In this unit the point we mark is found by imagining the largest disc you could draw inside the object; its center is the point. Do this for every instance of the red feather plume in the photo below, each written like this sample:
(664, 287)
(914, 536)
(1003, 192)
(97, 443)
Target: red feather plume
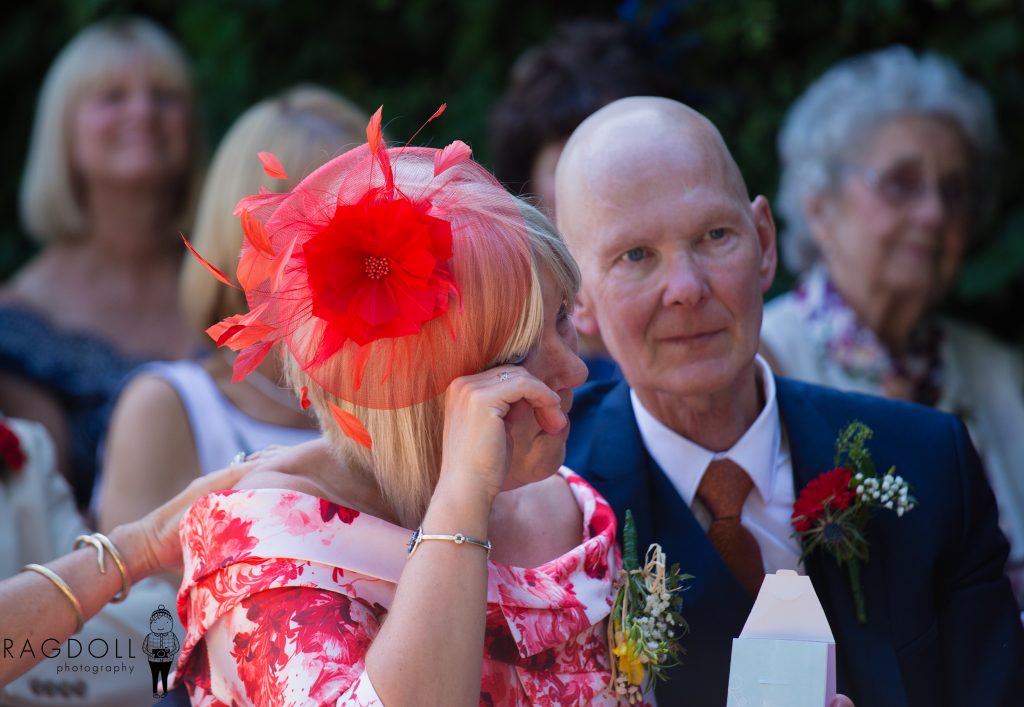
(351, 426)
(272, 166)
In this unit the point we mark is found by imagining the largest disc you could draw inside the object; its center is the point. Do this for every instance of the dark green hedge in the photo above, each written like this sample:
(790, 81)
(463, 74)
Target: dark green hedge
(742, 60)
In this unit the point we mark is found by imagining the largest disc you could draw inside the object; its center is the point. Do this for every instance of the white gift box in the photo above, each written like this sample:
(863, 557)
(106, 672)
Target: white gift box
(785, 656)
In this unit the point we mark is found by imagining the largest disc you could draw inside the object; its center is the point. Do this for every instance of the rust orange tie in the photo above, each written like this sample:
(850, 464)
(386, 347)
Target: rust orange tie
(723, 490)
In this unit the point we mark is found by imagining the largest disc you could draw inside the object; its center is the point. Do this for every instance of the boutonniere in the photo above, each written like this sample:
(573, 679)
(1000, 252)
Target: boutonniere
(833, 510)
(12, 456)
(645, 625)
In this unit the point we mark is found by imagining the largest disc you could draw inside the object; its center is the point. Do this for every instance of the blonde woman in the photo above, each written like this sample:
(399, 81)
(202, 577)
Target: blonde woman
(179, 420)
(441, 555)
(113, 167)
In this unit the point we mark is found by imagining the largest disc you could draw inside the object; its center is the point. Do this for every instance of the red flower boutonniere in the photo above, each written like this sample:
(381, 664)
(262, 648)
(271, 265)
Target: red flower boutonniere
(833, 510)
(12, 456)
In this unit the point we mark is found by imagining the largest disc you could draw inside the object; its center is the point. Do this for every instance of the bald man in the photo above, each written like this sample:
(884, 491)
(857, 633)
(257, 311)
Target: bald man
(675, 260)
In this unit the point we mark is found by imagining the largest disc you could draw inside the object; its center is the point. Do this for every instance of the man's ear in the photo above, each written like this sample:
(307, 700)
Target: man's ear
(584, 315)
(764, 223)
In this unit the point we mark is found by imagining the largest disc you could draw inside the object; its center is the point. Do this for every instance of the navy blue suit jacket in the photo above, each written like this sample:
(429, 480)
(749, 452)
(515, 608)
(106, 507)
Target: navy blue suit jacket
(943, 628)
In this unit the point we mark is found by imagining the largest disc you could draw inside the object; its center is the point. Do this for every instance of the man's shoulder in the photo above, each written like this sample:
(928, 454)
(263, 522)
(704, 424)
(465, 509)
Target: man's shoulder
(926, 445)
(601, 411)
(830, 400)
(591, 396)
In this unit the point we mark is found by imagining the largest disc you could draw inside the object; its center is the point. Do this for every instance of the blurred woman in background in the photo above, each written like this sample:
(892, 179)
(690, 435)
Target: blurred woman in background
(887, 165)
(182, 419)
(113, 167)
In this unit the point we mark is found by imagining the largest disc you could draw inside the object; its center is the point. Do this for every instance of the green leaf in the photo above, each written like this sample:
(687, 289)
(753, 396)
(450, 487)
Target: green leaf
(630, 558)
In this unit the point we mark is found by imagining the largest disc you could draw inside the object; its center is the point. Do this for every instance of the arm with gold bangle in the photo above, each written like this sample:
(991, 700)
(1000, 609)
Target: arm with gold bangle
(54, 599)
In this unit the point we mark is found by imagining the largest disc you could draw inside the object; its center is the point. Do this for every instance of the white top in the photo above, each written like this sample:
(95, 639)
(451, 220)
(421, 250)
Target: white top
(762, 452)
(983, 382)
(219, 428)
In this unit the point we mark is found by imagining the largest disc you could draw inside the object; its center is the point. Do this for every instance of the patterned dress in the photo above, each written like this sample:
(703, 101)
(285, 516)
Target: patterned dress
(284, 593)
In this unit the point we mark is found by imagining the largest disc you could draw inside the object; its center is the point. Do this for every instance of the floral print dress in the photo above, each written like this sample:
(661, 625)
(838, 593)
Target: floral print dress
(284, 593)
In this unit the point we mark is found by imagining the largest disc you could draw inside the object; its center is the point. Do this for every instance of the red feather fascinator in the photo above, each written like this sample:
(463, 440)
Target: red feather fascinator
(362, 270)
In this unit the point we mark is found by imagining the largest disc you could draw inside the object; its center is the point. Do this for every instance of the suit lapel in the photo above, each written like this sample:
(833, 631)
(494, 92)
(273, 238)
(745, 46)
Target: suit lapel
(614, 460)
(618, 465)
(865, 657)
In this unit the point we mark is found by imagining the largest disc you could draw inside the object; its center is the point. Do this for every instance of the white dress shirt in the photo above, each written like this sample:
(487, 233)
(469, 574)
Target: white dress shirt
(762, 452)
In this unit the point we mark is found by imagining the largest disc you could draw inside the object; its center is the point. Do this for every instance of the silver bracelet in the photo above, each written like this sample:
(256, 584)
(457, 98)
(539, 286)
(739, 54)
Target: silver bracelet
(419, 536)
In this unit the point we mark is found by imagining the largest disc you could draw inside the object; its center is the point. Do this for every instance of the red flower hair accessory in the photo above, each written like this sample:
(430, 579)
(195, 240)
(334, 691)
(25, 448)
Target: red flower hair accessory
(361, 270)
(379, 269)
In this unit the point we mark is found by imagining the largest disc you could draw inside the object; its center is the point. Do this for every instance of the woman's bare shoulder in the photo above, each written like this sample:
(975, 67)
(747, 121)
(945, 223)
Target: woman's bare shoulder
(536, 523)
(294, 459)
(312, 468)
(37, 285)
(553, 490)
(285, 480)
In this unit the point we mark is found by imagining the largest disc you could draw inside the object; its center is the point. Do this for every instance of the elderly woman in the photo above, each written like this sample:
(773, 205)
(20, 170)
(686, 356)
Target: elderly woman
(885, 180)
(443, 556)
(113, 168)
(178, 420)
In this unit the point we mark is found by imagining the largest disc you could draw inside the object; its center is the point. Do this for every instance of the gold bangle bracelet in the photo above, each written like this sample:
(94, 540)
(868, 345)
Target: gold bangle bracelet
(90, 540)
(64, 589)
(101, 542)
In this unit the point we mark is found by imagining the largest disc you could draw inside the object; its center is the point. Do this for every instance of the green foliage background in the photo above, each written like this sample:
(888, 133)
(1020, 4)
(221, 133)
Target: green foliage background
(743, 61)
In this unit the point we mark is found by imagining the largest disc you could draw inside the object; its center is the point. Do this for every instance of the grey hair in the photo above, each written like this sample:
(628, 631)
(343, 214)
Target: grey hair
(840, 110)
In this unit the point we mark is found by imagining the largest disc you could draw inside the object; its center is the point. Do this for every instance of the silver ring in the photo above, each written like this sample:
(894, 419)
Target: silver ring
(504, 376)
(238, 459)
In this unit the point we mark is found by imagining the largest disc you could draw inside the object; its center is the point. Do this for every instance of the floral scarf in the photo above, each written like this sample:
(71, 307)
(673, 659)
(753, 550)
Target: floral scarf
(839, 336)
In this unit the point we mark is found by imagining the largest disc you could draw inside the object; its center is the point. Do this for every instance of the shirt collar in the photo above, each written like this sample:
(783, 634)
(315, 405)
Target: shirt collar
(685, 462)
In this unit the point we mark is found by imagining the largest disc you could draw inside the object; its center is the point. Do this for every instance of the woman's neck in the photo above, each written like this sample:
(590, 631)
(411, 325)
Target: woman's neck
(262, 395)
(130, 225)
(891, 315)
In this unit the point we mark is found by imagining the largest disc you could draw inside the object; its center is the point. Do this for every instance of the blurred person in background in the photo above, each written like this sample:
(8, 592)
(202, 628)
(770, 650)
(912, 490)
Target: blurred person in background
(552, 88)
(887, 176)
(113, 167)
(179, 420)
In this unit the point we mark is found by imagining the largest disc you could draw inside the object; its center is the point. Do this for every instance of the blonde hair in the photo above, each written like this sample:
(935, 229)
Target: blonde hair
(50, 201)
(406, 457)
(304, 127)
